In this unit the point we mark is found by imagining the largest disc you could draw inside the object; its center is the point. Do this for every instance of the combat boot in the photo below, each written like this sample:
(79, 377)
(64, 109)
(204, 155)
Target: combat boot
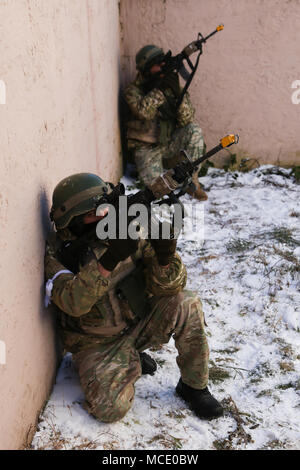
(148, 364)
(201, 402)
(197, 192)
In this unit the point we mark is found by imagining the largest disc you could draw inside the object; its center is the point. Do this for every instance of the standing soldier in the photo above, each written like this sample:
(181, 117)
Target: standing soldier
(157, 129)
(117, 298)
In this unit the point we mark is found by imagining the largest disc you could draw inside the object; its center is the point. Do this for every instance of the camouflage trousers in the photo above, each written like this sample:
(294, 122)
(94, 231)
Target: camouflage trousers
(152, 159)
(109, 370)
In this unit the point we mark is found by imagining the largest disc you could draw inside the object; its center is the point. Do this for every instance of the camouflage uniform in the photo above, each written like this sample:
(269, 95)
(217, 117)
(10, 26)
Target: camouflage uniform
(151, 154)
(105, 336)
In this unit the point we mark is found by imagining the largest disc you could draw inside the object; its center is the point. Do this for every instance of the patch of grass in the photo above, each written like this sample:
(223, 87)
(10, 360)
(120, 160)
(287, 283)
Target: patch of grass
(167, 440)
(230, 350)
(261, 371)
(292, 268)
(237, 245)
(58, 442)
(274, 444)
(111, 445)
(235, 163)
(224, 359)
(204, 168)
(287, 255)
(296, 173)
(208, 258)
(276, 170)
(248, 164)
(217, 174)
(231, 162)
(217, 374)
(286, 366)
(281, 234)
(265, 393)
(295, 214)
(285, 348)
(288, 385)
(176, 414)
(238, 436)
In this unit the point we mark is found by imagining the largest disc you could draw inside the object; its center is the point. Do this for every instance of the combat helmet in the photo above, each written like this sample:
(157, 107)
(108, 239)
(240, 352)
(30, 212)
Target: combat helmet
(148, 56)
(76, 195)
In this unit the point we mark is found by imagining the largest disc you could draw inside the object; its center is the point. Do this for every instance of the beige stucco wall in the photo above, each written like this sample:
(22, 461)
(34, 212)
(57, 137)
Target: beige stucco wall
(244, 81)
(60, 69)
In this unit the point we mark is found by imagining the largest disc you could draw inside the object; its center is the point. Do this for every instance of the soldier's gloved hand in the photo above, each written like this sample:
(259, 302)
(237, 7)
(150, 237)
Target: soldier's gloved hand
(164, 248)
(171, 80)
(85, 255)
(151, 83)
(117, 251)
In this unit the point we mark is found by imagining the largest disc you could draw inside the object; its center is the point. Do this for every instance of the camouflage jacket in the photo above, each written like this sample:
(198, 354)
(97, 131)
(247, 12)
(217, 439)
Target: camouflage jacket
(143, 124)
(88, 306)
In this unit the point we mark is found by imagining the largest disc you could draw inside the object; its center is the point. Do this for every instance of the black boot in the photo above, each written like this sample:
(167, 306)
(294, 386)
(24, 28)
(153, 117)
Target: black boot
(148, 364)
(200, 401)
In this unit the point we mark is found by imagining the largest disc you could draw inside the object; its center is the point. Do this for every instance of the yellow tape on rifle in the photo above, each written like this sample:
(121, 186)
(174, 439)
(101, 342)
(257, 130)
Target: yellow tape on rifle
(228, 140)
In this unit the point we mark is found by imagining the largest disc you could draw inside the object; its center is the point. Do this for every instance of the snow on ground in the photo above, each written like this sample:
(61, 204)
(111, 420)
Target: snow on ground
(247, 275)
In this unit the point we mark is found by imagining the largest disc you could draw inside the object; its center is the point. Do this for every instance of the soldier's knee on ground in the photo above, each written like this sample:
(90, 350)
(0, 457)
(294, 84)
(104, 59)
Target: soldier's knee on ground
(107, 378)
(110, 411)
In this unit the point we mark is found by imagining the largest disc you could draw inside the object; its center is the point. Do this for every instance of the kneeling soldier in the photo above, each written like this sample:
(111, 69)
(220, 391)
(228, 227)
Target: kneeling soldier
(157, 130)
(117, 298)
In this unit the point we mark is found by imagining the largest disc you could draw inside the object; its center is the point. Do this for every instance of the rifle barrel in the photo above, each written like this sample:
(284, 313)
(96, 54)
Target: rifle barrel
(219, 28)
(227, 141)
(207, 155)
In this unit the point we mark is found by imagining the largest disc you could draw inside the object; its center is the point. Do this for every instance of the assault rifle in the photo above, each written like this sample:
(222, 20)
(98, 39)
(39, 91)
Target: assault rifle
(177, 63)
(166, 189)
(177, 178)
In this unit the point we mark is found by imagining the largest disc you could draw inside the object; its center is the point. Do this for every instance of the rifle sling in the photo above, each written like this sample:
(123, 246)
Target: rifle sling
(190, 78)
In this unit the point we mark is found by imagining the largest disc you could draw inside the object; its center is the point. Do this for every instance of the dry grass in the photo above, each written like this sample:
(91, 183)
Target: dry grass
(238, 436)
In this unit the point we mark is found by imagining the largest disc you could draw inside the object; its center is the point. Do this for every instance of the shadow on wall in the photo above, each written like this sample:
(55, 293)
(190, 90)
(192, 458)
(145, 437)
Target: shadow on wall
(124, 112)
(44, 209)
(49, 313)
(45, 224)
(129, 167)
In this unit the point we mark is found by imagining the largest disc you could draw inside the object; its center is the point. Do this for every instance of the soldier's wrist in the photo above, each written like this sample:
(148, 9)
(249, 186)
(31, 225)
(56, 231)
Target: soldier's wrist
(104, 272)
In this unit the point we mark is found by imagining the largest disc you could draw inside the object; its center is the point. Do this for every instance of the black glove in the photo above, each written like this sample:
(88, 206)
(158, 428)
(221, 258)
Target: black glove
(153, 82)
(85, 255)
(164, 248)
(117, 251)
(171, 80)
(73, 257)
